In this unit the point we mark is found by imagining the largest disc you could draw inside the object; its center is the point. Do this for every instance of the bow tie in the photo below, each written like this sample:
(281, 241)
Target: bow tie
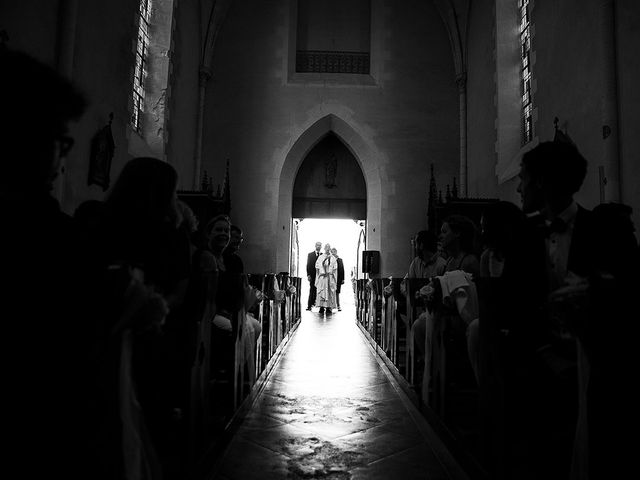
(556, 226)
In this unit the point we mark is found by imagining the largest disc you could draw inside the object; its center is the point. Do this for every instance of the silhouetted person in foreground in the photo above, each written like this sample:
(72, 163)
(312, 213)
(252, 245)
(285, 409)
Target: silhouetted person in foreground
(49, 321)
(579, 342)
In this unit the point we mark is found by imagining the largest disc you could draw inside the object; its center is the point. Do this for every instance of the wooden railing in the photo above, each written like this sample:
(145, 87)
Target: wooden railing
(222, 386)
(320, 61)
(386, 316)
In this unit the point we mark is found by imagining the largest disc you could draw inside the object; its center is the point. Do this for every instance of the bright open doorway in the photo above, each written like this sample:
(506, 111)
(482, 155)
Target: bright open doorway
(342, 234)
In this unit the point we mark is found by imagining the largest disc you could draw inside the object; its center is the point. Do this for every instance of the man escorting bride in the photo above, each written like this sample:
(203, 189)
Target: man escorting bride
(326, 281)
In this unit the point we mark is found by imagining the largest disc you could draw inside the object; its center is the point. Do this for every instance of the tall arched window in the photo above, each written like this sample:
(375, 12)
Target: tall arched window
(140, 70)
(525, 45)
(515, 85)
(151, 78)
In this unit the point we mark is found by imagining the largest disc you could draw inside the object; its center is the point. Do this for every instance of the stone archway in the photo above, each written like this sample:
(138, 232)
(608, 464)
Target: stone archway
(330, 183)
(363, 149)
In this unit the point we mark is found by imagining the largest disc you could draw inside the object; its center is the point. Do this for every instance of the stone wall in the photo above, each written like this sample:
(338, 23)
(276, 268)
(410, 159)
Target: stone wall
(264, 118)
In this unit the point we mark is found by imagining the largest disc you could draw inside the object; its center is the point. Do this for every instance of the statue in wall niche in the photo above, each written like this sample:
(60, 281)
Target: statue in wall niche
(102, 150)
(331, 169)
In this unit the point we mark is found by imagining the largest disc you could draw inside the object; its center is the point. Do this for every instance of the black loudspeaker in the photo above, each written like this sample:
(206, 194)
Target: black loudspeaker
(371, 261)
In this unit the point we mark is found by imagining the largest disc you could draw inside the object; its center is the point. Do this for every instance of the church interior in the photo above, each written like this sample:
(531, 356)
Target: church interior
(263, 114)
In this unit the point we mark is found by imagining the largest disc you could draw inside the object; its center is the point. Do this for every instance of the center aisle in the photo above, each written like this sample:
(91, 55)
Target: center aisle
(330, 410)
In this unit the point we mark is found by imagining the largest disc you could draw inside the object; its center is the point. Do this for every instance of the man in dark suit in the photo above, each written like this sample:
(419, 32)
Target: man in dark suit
(311, 274)
(340, 279)
(230, 254)
(575, 345)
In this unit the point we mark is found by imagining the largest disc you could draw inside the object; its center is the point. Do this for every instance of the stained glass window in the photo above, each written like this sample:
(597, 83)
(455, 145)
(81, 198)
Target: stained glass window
(525, 53)
(140, 72)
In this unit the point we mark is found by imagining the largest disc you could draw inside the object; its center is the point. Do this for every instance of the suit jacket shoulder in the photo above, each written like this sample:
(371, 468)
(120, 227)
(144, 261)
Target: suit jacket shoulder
(340, 271)
(311, 264)
(584, 248)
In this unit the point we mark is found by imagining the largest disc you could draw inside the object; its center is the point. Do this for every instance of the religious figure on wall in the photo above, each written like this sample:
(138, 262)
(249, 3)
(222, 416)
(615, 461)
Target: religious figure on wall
(102, 150)
(331, 169)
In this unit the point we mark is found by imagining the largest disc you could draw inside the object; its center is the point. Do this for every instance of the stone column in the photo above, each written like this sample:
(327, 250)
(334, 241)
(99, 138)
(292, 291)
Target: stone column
(461, 81)
(67, 19)
(65, 46)
(205, 75)
(609, 102)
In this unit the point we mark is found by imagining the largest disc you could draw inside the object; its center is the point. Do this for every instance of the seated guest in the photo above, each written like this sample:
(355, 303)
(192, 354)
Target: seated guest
(140, 230)
(427, 264)
(511, 253)
(188, 223)
(234, 263)
(179, 325)
(458, 240)
(233, 297)
(500, 225)
(230, 253)
(511, 288)
(229, 293)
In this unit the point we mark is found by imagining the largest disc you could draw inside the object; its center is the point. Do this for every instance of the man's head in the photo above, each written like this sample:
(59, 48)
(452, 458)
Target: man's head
(236, 239)
(457, 233)
(37, 106)
(334, 252)
(145, 191)
(550, 173)
(426, 242)
(318, 246)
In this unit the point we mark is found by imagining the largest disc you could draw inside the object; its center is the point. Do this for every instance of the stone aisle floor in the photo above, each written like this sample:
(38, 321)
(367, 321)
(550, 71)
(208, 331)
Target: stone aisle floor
(330, 411)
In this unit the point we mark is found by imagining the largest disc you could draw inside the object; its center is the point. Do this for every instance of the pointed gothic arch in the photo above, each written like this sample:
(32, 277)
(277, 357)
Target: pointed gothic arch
(365, 153)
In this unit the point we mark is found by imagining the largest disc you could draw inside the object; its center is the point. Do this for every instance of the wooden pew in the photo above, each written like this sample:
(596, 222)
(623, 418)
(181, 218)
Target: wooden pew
(449, 373)
(285, 307)
(239, 329)
(199, 412)
(297, 300)
(376, 309)
(414, 308)
(268, 326)
(389, 324)
(218, 391)
(357, 299)
(364, 312)
(257, 281)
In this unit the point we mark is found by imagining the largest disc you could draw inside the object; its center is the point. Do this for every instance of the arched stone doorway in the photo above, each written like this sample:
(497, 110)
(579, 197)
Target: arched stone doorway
(359, 142)
(330, 183)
